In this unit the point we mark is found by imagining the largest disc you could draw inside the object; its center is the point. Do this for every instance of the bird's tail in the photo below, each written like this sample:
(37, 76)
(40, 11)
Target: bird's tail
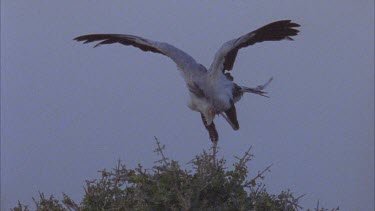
(257, 90)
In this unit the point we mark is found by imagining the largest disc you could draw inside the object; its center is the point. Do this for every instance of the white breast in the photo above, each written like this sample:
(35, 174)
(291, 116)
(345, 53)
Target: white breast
(218, 94)
(221, 93)
(198, 104)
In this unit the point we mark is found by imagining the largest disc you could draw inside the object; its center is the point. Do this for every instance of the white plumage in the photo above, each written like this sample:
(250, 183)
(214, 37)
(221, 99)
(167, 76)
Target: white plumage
(212, 91)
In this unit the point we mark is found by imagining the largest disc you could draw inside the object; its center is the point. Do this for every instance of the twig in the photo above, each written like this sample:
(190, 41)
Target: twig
(259, 175)
(246, 157)
(159, 150)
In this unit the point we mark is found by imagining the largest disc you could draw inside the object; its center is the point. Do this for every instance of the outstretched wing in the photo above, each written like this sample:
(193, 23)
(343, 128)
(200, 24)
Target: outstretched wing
(184, 61)
(226, 55)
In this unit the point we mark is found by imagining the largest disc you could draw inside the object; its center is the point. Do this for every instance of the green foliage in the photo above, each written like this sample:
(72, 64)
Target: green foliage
(167, 186)
(42, 204)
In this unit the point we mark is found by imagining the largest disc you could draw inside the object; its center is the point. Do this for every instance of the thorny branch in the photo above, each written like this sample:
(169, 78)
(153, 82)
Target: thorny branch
(160, 150)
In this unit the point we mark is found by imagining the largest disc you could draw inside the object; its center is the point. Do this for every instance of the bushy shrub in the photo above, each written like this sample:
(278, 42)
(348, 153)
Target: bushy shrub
(210, 185)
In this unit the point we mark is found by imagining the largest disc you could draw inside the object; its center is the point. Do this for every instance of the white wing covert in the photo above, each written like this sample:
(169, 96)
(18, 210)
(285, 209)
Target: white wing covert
(184, 61)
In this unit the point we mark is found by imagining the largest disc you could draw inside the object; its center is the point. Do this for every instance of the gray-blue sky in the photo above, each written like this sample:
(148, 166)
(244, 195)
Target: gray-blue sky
(68, 110)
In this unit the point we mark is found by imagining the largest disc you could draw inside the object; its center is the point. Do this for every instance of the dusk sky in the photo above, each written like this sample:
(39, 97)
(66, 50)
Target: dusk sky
(69, 110)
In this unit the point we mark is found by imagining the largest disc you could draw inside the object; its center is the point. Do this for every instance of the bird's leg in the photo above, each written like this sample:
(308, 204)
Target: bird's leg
(259, 89)
(212, 132)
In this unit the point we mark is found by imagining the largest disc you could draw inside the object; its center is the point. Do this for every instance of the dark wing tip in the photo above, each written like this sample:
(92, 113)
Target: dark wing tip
(289, 38)
(124, 39)
(275, 31)
(81, 38)
(284, 23)
(292, 24)
(287, 22)
(94, 37)
(279, 29)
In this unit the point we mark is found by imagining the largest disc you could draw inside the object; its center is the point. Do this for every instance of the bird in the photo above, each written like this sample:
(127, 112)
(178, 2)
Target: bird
(212, 90)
